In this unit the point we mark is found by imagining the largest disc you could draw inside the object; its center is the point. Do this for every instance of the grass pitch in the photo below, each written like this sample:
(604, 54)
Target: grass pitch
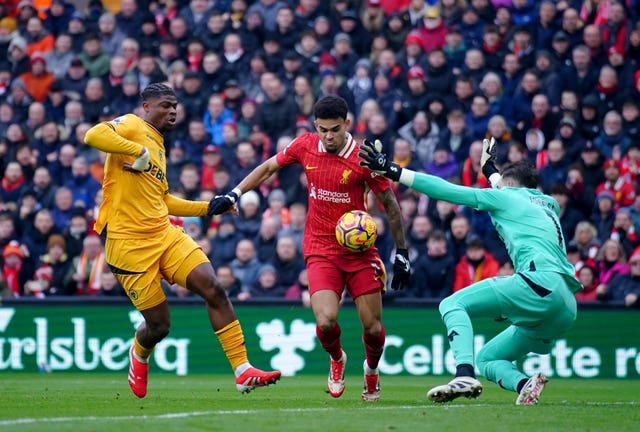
(103, 402)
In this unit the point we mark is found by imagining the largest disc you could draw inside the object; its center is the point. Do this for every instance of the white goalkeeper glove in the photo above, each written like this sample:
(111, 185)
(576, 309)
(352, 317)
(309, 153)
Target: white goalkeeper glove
(488, 161)
(142, 161)
(488, 151)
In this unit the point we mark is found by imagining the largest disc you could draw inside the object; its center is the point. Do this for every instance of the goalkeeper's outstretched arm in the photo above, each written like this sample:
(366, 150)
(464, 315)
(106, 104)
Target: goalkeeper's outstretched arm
(439, 189)
(372, 157)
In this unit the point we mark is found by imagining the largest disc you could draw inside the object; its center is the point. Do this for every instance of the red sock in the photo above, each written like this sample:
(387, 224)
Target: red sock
(373, 346)
(330, 341)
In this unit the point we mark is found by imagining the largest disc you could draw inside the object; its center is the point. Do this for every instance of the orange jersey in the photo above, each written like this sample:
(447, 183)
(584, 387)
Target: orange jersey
(135, 204)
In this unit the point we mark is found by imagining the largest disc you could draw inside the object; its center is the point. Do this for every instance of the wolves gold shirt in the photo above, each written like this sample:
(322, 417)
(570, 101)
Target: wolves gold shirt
(135, 204)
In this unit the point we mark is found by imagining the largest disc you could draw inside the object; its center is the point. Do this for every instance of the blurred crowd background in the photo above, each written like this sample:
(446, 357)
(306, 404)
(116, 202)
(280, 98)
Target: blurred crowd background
(555, 82)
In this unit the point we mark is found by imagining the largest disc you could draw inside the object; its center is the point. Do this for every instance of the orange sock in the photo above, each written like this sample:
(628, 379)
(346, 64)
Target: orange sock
(232, 341)
(141, 351)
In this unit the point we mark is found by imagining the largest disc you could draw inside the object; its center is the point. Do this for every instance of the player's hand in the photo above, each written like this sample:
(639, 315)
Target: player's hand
(488, 151)
(401, 270)
(488, 159)
(372, 157)
(142, 161)
(222, 203)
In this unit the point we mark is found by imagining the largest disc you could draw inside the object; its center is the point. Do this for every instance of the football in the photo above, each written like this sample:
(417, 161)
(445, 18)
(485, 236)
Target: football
(356, 231)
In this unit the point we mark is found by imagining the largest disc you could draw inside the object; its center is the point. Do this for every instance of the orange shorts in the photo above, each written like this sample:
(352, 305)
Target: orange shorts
(141, 264)
(359, 273)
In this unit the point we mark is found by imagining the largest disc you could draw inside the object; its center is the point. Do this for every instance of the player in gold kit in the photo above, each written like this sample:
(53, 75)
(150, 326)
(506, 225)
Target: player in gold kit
(143, 247)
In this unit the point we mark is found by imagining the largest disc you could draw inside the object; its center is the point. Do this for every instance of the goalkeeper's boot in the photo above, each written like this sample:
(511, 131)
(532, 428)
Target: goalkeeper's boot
(466, 386)
(252, 378)
(530, 393)
(335, 383)
(138, 373)
(371, 390)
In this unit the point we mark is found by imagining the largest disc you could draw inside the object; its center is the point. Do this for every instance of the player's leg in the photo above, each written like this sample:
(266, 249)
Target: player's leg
(373, 336)
(457, 310)
(135, 265)
(195, 272)
(325, 286)
(496, 362)
(496, 358)
(365, 280)
(149, 333)
(539, 315)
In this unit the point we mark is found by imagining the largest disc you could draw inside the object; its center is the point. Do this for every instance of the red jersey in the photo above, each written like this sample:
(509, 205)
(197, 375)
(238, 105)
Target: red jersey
(336, 184)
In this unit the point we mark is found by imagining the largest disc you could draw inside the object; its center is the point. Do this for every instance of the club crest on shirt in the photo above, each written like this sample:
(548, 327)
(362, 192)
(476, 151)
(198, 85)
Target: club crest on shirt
(345, 176)
(160, 155)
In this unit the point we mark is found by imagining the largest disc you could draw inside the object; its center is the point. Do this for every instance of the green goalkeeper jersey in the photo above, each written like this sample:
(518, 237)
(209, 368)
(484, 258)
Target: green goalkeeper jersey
(526, 220)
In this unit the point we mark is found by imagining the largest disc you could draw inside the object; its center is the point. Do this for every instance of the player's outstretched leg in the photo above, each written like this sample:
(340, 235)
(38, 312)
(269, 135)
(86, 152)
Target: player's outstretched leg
(466, 386)
(247, 377)
(530, 393)
(252, 377)
(335, 383)
(371, 389)
(138, 374)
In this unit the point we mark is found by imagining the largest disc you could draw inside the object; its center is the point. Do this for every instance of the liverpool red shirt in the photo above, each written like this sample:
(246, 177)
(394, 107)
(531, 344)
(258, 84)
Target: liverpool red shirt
(336, 184)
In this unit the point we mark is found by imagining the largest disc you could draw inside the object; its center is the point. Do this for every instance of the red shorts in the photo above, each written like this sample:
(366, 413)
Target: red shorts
(359, 273)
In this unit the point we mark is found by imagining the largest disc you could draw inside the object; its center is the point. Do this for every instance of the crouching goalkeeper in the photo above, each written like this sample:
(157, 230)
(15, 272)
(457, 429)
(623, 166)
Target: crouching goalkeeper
(537, 302)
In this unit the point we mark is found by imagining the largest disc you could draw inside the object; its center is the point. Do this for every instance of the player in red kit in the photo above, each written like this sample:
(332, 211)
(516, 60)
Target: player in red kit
(337, 184)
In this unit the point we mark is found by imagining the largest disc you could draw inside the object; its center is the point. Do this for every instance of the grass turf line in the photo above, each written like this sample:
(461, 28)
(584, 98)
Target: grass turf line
(103, 402)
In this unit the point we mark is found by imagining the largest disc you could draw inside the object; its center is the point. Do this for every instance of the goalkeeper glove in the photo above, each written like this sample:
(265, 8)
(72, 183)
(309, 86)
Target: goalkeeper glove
(142, 161)
(488, 158)
(222, 203)
(401, 270)
(372, 157)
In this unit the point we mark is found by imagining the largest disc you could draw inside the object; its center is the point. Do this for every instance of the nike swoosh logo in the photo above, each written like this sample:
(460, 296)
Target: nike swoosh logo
(309, 167)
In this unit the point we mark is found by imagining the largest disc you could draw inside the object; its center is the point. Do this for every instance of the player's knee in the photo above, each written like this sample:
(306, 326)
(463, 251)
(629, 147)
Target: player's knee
(446, 305)
(216, 296)
(482, 361)
(159, 330)
(211, 291)
(325, 324)
(374, 328)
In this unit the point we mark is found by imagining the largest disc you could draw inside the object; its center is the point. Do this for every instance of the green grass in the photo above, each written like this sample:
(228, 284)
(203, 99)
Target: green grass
(103, 402)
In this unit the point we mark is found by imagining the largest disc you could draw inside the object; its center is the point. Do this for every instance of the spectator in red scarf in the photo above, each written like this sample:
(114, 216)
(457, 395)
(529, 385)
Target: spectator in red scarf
(16, 270)
(12, 184)
(471, 173)
(616, 29)
(87, 268)
(624, 231)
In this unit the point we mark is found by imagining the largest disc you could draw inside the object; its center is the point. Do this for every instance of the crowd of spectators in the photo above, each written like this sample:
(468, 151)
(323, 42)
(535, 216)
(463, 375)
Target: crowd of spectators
(555, 82)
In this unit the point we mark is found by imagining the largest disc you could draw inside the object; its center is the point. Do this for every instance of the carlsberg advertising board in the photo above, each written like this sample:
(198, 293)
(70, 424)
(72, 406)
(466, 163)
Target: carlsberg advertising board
(603, 343)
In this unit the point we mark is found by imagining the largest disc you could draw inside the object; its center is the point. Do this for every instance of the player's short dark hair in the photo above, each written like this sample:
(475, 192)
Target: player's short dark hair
(523, 172)
(331, 107)
(156, 90)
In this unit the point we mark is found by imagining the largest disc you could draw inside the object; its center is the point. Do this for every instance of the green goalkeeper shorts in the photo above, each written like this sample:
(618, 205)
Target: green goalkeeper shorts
(538, 302)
